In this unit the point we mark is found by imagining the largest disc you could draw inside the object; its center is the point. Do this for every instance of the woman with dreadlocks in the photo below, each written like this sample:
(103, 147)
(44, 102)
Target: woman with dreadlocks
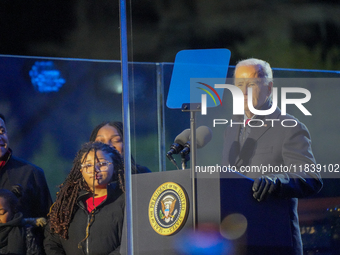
(87, 217)
(111, 133)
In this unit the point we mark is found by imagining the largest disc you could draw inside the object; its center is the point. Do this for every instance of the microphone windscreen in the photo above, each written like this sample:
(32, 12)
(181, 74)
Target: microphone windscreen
(183, 137)
(203, 136)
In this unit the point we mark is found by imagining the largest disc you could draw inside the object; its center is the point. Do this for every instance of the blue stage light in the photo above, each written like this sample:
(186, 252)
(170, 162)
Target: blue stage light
(45, 77)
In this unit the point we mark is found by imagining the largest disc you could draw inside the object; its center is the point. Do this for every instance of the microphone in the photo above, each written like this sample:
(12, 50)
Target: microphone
(203, 136)
(178, 145)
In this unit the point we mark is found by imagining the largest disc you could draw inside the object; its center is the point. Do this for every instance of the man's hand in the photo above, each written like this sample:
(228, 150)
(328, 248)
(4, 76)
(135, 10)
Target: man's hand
(264, 186)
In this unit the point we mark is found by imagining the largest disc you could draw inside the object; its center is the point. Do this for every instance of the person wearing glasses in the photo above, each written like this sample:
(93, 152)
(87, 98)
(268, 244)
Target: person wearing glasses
(111, 133)
(87, 217)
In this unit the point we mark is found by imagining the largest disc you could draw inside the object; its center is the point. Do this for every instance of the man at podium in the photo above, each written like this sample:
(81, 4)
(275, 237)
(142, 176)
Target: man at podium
(284, 151)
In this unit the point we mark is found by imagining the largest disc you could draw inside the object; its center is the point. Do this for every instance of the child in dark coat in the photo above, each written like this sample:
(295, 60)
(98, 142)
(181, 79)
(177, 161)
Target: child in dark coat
(16, 233)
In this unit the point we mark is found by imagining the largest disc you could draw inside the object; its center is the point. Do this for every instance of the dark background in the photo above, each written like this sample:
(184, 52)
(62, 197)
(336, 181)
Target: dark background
(47, 129)
(286, 33)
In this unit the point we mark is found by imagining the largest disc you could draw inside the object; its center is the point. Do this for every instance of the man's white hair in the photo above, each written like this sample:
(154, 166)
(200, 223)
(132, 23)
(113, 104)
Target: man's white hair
(264, 71)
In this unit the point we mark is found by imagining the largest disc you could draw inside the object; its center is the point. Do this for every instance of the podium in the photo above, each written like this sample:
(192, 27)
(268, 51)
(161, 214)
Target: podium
(267, 222)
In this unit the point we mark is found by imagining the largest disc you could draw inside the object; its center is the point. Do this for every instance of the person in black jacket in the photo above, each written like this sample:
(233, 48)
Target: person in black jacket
(252, 145)
(36, 199)
(88, 215)
(12, 236)
(111, 133)
(17, 235)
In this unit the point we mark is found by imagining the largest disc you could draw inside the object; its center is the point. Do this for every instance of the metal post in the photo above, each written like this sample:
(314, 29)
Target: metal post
(126, 122)
(160, 118)
(193, 165)
(193, 108)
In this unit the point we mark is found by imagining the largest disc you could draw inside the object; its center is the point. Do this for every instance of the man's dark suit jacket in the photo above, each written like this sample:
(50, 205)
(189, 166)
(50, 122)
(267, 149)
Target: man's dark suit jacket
(36, 199)
(275, 146)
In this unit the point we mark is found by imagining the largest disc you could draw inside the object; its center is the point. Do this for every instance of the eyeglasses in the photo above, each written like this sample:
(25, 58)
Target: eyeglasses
(100, 167)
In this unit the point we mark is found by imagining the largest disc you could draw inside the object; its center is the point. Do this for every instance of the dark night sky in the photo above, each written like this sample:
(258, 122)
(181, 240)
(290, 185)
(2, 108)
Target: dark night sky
(301, 29)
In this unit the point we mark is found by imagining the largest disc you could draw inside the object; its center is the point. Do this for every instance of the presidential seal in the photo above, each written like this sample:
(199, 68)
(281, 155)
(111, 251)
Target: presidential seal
(168, 208)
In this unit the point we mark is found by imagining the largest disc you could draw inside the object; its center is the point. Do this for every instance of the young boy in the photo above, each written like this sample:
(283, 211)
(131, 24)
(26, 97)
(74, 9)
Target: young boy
(16, 236)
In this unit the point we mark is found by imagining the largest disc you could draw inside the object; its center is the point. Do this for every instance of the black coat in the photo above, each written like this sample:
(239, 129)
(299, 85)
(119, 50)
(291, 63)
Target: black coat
(12, 236)
(104, 233)
(275, 145)
(17, 237)
(36, 199)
